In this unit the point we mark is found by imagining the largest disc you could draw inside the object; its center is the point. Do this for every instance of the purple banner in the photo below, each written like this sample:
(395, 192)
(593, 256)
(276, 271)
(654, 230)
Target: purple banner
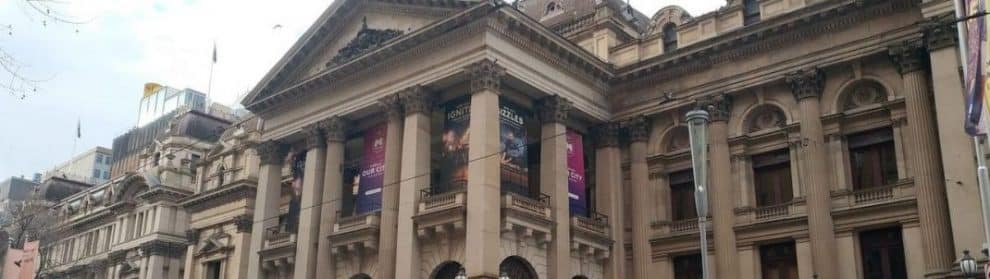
(577, 190)
(975, 38)
(369, 197)
(454, 156)
(515, 162)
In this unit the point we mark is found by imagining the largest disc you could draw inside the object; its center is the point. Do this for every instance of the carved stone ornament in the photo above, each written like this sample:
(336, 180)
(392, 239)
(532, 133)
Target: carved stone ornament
(163, 248)
(391, 105)
(416, 99)
(554, 109)
(807, 83)
(639, 129)
(766, 117)
(314, 136)
(719, 106)
(334, 129)
(485, 75)
(271, 152)
(606, 134)
(940, 33)
(908, 56)
(192, 235)
(864, 94)
(243, 223)
(365, 41)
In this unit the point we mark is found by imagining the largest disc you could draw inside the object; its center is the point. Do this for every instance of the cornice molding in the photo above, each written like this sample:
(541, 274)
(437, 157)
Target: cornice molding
(240, 190)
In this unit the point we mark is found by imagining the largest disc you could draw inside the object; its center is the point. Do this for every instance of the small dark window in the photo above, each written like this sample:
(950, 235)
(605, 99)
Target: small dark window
(669, 37)
(687, 267)
(552, 8)
(778, 261)
(883, 254)
(751, 11)
(213, 270)
(772, 176)
(872, 159)
(682, 196)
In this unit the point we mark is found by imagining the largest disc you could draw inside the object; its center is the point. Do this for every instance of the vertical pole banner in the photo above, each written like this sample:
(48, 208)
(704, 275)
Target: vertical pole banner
(454, 155)
(372, 170)
(297, 167)
(515, 159)
(975, 36)
(576, 187)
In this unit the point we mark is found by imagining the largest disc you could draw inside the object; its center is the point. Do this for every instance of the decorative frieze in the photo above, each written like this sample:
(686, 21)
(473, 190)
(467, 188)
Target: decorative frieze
(554, 109)
(117, 257)
(606, 134)
(806, 83)
(314, 136)
(163, 248)
(909, 56)
(485, 75)
(271, 152)
(334, 129)
(719, 106)
(940, 33)
(243, 223)
(417, 99)
(638, 128)
(391, 105)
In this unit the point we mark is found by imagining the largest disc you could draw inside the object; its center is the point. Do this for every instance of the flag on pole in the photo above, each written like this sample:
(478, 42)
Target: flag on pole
(974, 86)
(78, 128)
(214, 52)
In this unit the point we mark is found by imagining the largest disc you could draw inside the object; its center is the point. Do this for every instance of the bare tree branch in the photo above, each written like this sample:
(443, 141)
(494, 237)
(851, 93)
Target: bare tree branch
(18, 84)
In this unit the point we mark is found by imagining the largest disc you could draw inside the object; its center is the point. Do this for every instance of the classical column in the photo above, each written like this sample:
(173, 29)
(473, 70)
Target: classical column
(311, 203)
(484, 175)
(807, 86)
(933, 210)
(392, 106)
(192, 237)
(271, 154)
(553, 112)
(415, 176)
(722, 205)
(639, 134)
(608, 191)
(334, 130)
(954, 143)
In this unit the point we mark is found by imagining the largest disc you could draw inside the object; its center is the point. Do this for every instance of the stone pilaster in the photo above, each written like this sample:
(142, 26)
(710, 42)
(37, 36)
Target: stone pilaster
(311, 202)
(484, 176)
(392, 106)
(639, 135)
(720, 188)
(933, 209)
(553, 111)
(415, 176)
(335, 132)
(271, 155)
(808, 86)
(608, 191)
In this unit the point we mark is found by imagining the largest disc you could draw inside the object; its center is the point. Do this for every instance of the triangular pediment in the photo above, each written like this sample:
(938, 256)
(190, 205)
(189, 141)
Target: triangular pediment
(348, 30)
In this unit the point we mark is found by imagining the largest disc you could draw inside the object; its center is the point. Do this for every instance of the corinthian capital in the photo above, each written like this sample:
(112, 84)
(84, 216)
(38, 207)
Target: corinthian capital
(334, 129)
(554, 109)
(606, 134)
(807, 83)
(719, 106)
(391, 105)
(639, 129)
(271, 152)
(908, 56)
(314, 136)
(416, 99)
(940, 33)
(485, 75)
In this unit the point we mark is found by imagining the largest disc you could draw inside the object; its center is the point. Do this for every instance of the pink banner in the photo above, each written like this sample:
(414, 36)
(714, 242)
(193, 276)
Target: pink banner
(577, 190)
(372, 176)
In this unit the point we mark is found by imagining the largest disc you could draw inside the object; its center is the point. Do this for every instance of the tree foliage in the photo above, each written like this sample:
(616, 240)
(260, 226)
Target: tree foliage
(26, 221)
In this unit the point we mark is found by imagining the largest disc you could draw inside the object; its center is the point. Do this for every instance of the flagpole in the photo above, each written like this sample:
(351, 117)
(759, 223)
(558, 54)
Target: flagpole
(209, 86)
(981, 161)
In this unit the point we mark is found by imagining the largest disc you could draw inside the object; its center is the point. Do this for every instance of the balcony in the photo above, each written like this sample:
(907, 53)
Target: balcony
(590, 235)
(901, 192)
(672, 228)
(440, 212)
(353, 234)
(754, 215)
(279, 247)
(527, 216)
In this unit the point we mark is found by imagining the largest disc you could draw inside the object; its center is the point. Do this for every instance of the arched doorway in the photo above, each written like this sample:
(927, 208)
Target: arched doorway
(517, 268)
(446, 270)
(361, 276)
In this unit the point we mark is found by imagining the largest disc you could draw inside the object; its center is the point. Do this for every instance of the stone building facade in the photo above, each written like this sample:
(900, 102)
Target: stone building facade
(547, 139)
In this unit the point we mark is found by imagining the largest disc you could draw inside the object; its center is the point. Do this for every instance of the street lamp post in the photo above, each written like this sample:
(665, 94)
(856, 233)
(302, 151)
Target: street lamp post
(698, 130)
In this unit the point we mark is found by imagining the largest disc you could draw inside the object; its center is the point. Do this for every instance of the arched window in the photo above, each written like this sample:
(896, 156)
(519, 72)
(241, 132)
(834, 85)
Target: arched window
(517, 268)
(669, 37)
(751, 11)
(361, 276)
(447, 270)
(552, 9)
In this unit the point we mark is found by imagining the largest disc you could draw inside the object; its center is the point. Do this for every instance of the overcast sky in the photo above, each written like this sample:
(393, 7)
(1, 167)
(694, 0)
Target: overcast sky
(94, 72)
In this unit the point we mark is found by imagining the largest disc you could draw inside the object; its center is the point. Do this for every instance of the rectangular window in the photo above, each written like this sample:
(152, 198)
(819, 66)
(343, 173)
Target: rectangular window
(99, 158)
(97, 174)
(778, 261)
(213, 270)
(882, 253)
(687, 267)
(682, 196)
(106, 174)
(772, 178)
(872, 159)
(751, 12)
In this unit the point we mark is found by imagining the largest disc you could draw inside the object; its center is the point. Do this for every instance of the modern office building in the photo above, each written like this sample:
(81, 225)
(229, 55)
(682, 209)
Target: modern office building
(159, 100)
(91, 166)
